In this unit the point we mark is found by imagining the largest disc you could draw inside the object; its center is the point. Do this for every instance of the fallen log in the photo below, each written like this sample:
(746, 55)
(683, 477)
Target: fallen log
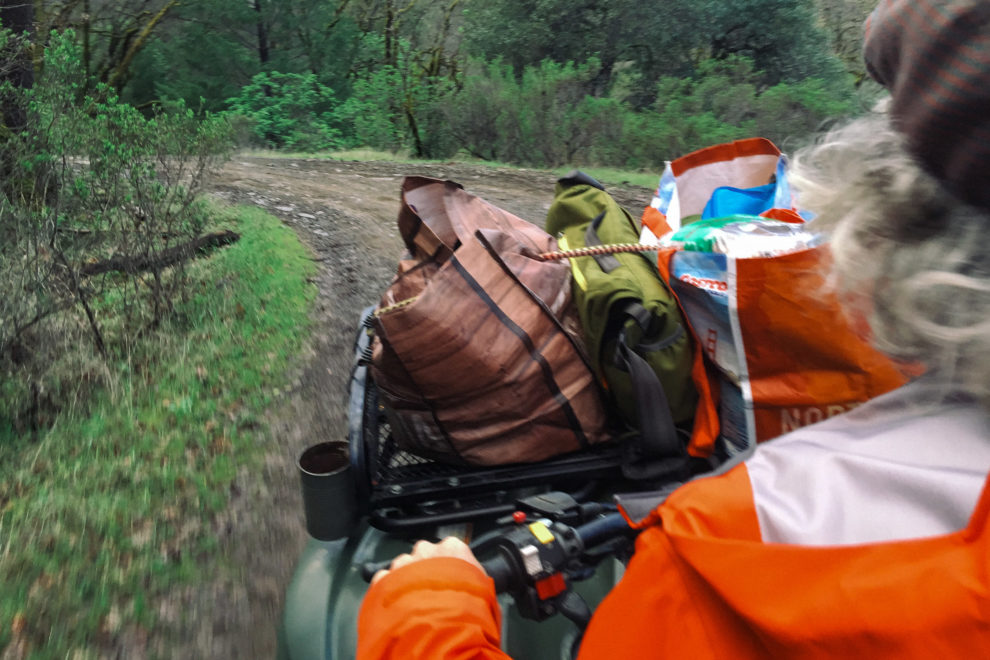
(163, 259)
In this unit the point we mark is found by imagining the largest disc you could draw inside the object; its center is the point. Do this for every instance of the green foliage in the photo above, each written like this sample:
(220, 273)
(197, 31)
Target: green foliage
(791, 113)
(128, 398)
(556, 118)
(216, 51)
(726, 101)
(374, 112)
(397, 107)
(783, 38)
(532, 37)
(546, 117)
(195, 67)
(392, 108)
(110, 510)
(90, 179)
(644, 43)
(476, 114)
(524, 33)
(308, 36)
(290, 110)
(551, 82)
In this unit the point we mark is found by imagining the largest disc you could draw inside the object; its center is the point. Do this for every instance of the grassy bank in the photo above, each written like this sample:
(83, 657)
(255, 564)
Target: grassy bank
(107, 510)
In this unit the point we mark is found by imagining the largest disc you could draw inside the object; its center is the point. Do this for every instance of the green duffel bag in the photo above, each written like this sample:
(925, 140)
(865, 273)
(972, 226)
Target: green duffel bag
(633, 327)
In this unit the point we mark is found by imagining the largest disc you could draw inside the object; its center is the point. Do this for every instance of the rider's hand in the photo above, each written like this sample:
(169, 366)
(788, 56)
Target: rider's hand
(449, 547)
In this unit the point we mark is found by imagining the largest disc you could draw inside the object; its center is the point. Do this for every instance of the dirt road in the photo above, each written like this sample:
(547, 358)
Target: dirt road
(346, 213)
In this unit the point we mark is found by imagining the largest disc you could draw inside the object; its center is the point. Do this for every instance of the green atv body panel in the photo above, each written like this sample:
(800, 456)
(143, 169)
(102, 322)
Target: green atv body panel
(322, 602)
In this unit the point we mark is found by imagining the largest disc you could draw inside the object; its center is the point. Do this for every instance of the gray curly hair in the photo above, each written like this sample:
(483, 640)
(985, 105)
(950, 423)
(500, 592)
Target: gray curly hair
(909, 257)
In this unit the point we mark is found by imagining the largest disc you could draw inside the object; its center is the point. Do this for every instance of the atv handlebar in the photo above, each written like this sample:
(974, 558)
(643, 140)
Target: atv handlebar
(539, 551)
(536, 559)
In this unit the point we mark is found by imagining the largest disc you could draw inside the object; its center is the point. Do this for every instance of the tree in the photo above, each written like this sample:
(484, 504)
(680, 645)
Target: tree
(781, 37)
(204, 56)
(426, 33)
(261, 26)
(113, 32)
(318, 28)
(215, 47)
(405, 64)
(647, 42)
(842, 21)
(526, 32)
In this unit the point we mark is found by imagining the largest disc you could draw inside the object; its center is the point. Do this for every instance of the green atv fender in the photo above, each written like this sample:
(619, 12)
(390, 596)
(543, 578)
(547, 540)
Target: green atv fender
(319, 620)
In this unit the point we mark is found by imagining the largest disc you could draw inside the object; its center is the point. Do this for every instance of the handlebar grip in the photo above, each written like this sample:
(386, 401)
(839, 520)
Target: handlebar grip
(602, 529)
(500, 571)
(497, 568)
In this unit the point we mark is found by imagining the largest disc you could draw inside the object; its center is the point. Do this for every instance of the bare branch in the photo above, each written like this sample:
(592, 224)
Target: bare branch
(163, 259)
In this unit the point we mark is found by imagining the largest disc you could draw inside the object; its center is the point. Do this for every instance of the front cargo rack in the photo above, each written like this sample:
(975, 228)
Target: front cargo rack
(403, 491)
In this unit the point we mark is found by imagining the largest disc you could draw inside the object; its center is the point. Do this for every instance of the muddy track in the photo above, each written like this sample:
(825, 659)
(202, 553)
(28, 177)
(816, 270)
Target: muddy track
(345, 212)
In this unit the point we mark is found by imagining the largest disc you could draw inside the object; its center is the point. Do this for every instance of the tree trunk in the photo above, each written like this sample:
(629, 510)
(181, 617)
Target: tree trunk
(121, 71)
(87, 51)
(390, 57)
(263, 50)
(414, 130)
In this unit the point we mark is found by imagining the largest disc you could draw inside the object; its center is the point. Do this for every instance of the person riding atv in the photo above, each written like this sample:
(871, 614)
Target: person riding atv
(865, 535)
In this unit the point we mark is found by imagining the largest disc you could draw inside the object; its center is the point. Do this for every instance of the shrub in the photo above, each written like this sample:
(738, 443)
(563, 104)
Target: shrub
(724, 102)
(87, 180)
(374, 111)
(545, 118)
(555, 113)
(290, 110)
(474, 114)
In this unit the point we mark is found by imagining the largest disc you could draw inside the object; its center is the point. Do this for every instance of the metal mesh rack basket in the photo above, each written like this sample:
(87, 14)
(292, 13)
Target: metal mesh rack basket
(405, 491)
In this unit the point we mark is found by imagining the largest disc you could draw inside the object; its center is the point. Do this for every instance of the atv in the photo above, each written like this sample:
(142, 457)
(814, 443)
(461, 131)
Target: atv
(547, 533)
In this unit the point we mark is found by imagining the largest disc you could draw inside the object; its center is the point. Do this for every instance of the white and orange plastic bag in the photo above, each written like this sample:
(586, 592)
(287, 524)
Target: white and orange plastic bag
(776, 351)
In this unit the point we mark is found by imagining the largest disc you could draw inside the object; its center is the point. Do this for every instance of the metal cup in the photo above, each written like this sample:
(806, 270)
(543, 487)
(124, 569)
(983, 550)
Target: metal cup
(328, 490)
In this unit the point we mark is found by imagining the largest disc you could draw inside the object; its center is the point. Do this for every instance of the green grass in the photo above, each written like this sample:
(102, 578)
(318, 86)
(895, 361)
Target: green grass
(103, 513)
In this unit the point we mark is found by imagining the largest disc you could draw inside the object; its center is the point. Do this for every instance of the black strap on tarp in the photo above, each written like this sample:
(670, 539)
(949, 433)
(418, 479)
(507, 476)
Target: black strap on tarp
(658, 449)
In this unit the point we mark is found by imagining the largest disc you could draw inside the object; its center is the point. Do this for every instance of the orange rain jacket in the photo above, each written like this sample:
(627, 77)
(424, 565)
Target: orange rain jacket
(706, 583)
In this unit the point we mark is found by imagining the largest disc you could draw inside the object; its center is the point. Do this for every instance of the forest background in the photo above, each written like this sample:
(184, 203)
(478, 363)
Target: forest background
(535, 82)
(131, 393)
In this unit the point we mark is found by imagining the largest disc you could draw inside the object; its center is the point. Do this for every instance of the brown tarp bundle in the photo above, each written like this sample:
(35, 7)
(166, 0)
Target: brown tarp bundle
(476, 359)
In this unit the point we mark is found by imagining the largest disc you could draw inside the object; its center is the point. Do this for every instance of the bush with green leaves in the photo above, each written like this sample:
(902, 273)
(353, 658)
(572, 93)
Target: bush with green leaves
(543, 118)
(374, 113)
(546, 117)
(290, 110)
(99, 206)
(555, 117)
(397, 107)
(726, 100)
(476, 113)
